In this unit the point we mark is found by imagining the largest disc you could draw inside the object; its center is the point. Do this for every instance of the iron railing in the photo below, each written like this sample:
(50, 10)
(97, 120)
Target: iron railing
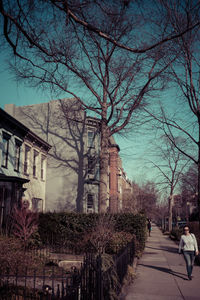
(92, 282)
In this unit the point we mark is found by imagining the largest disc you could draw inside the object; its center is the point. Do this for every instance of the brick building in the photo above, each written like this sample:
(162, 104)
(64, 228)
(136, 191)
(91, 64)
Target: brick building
(120, 187)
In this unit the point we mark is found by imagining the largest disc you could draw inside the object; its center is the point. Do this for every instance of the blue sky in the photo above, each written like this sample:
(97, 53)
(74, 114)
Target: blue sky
(16, 92)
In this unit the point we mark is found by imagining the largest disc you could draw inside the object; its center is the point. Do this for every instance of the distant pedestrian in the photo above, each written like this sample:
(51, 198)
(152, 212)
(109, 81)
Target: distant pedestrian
(188, 246)
(149, 227)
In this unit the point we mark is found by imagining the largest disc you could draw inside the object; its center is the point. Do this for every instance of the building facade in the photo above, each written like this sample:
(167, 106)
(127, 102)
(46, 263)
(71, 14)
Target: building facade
(34, 169)
(73, 166)
(120, 187)
(73, 163)
(22, 154)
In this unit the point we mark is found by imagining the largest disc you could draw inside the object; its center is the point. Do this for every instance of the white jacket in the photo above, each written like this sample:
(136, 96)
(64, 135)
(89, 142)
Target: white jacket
(188, 243)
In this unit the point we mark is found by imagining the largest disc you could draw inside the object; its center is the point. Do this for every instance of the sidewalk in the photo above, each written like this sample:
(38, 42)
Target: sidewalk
(161, 273)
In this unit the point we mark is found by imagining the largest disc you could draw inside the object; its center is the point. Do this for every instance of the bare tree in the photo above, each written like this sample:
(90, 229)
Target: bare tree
(189, 188)
(68, 59)
(101, 234)
(72, 11)
(161, 213)
(170, 166)
(129, 200)
(185, 134)
(146, 198)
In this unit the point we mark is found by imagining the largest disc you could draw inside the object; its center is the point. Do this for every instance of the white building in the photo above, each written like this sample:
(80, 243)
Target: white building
(73, 166)
(23, 158)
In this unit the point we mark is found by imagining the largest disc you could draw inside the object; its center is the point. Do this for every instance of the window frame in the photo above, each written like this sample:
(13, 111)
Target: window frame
(90, 207)
(27, 150)
(5, 149)
(35, 162)
(42, 167)
(17, 155)
(91, 140)
(91, 165)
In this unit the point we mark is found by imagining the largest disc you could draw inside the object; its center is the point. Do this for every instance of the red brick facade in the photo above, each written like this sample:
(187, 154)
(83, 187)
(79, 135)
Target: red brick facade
(120, 187)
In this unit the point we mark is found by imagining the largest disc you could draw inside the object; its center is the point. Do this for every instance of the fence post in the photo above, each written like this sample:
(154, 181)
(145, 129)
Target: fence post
(99, 278)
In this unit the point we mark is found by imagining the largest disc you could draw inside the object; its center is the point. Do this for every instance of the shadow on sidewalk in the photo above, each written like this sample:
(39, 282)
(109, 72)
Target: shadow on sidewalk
(166, 270)
(168, 249)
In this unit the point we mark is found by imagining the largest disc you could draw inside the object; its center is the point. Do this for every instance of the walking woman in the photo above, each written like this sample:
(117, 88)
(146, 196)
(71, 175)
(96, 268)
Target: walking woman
(149, 226)
(188, 245)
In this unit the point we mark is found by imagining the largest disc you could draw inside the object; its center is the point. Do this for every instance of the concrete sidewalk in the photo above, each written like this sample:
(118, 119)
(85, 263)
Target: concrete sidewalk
(161, 273)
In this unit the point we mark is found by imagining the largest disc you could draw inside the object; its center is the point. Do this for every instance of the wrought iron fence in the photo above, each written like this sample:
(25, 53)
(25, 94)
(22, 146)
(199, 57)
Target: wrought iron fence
(33, 285)
(92, 282)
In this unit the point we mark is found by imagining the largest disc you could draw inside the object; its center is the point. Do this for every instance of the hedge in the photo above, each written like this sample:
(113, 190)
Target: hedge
(69, 228)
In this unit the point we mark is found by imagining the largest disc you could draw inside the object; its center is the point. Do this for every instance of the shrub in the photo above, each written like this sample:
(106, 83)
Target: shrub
(65, 228)
(111, 284)
(101, 235)
(176, 233)
(13, 257)
(118, 241)
(11, 291)
(72, 229)
(24, 224)
(134, 224)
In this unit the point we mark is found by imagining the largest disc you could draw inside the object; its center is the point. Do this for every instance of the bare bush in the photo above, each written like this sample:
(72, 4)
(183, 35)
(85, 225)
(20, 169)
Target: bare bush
(101, 234)
(25, 223)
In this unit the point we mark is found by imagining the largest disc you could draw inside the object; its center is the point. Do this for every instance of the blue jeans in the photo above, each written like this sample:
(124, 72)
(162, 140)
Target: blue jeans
(189, 257)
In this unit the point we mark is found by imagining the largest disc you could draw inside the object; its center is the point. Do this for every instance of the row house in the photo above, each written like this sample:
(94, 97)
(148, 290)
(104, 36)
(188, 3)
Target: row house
(184, 206)
(128, 192)
(91, 163)
(72, 182)
(120, 187)
(23, 157)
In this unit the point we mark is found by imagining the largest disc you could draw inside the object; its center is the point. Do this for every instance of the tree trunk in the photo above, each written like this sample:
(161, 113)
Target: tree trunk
(104, 158)
(80, 186)
(198, 193)
(170, 212)
(198, 166)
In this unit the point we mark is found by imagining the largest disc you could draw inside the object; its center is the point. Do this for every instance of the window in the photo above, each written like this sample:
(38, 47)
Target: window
(5, 150)
(91, 165)
(26, 159)
(35, 160)
(17, 155)
(43, 167)
(90, 139)
(90, 202)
